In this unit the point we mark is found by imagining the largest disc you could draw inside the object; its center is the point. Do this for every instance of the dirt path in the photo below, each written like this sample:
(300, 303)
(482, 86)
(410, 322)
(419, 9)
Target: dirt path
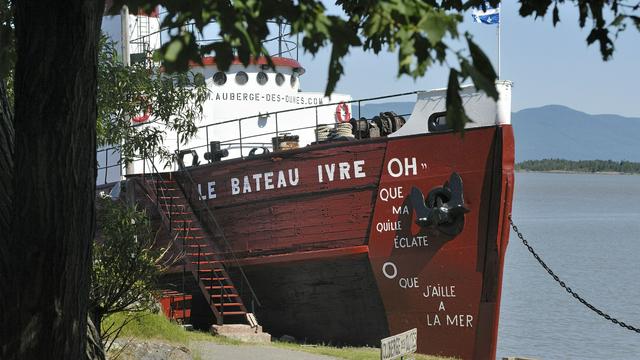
(211, 351)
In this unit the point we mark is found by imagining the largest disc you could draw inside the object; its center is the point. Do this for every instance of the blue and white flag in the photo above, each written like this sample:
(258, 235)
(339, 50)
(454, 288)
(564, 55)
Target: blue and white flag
(490, 16)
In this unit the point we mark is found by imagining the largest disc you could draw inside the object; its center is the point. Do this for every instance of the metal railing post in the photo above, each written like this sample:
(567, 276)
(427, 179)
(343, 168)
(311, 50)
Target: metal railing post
(240, 137)
(206, 129)
(106, 166)
(222, 302)
(277, 139)
(316, 124)
(184, 294)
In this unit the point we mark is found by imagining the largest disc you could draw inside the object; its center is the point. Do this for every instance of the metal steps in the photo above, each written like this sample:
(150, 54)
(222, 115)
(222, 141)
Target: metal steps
(201, 258)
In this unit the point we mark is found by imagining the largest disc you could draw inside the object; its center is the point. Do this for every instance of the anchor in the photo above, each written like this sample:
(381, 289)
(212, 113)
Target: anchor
(444, 207)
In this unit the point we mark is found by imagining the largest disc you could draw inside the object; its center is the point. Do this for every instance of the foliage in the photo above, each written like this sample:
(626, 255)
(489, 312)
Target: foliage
(7, 40)
(420, 32)
(124, 92)
(125, 263)
(590, 166)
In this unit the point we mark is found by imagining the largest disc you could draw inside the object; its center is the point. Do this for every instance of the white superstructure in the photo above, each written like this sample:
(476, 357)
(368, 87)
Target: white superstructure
(251, 105)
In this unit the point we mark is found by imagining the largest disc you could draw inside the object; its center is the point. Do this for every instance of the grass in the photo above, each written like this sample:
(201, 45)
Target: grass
(348, 353)
(158, 327)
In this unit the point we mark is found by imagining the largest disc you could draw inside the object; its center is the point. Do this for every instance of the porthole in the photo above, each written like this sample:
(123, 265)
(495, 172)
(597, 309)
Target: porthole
(219, 78)
(242, 78)
(262, 78)
(294, 78)
(279, 79)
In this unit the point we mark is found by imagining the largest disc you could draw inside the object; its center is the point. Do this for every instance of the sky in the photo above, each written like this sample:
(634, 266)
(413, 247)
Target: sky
(547, 66)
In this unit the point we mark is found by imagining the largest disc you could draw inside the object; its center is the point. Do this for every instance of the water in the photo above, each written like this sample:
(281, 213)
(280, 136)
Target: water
(587, 228)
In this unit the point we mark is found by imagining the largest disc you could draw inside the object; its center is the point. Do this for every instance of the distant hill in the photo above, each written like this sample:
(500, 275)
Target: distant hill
(558, 132)
(582, 166)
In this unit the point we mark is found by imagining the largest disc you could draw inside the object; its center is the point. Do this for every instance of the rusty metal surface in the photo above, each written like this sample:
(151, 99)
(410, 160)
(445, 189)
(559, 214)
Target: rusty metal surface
(446, 286)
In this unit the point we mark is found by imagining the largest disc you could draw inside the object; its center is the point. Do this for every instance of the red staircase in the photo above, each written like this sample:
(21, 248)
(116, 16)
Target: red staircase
(201, 257)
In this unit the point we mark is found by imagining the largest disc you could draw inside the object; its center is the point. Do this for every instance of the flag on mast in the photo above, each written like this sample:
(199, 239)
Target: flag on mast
(490, 16)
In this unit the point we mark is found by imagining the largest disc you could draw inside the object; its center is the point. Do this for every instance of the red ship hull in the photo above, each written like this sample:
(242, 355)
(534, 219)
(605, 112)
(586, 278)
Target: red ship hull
(327, 237)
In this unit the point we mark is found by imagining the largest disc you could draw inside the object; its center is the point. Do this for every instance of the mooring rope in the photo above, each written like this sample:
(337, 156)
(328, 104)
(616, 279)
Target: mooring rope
(566, 287)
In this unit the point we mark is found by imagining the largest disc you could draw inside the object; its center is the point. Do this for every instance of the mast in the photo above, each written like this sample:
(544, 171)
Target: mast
(126, 58)
(124, 35)
(499, 21)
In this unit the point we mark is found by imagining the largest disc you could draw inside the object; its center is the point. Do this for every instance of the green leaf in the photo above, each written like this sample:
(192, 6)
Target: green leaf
(456, 116)
(482, 73)
(173, 50)
(434, 25)
(480, 81)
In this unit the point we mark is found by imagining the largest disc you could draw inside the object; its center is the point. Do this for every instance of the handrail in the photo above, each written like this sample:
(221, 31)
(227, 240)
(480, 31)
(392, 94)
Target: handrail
(218, 227)
(158, 175)
(191, 25)
(280, 129)
(309, 107)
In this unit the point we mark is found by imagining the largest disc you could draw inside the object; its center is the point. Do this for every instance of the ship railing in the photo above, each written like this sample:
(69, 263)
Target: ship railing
(241, 140)
(113, 172)
(285, 47)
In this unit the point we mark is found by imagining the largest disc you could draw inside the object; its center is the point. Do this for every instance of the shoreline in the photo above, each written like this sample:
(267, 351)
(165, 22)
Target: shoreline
(576, 172)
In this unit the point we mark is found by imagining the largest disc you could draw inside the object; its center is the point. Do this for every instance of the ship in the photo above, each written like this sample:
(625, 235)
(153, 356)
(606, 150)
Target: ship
(301, 214)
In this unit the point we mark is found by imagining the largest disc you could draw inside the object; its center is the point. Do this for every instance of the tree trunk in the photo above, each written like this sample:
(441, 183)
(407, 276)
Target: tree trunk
(6, 172)
(46, 255)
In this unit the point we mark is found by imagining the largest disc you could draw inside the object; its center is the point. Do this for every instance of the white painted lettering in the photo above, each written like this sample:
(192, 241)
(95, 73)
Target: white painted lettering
(246, 188)
(414, 241)
(393, 193)
(408, 283)
(397, 171)
(460, 320)
(294, 177)
(400, 210)
(202, 197)
(282, 180)
(389, 270)
(330, 169)
(389, 226)
(438, 290)
(344, 170)
(235, 186)
(358, 171)
(268, 181)
(211, 186)
(410, 166)
(435, 321)
(397, 168)
(257, 178)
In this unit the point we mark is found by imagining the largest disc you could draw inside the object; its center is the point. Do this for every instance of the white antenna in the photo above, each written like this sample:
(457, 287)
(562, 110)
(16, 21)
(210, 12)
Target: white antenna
(126, 57)
(124, 35)
(499, 22)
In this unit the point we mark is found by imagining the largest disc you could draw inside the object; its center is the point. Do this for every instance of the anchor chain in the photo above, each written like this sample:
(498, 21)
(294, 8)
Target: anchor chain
(566, 287)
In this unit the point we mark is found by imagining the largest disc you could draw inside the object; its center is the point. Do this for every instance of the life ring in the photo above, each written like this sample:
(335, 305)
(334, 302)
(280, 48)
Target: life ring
(144, 117)
(340, 109)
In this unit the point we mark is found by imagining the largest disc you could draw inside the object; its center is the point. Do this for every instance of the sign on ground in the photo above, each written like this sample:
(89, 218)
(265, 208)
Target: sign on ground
(399, 345)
